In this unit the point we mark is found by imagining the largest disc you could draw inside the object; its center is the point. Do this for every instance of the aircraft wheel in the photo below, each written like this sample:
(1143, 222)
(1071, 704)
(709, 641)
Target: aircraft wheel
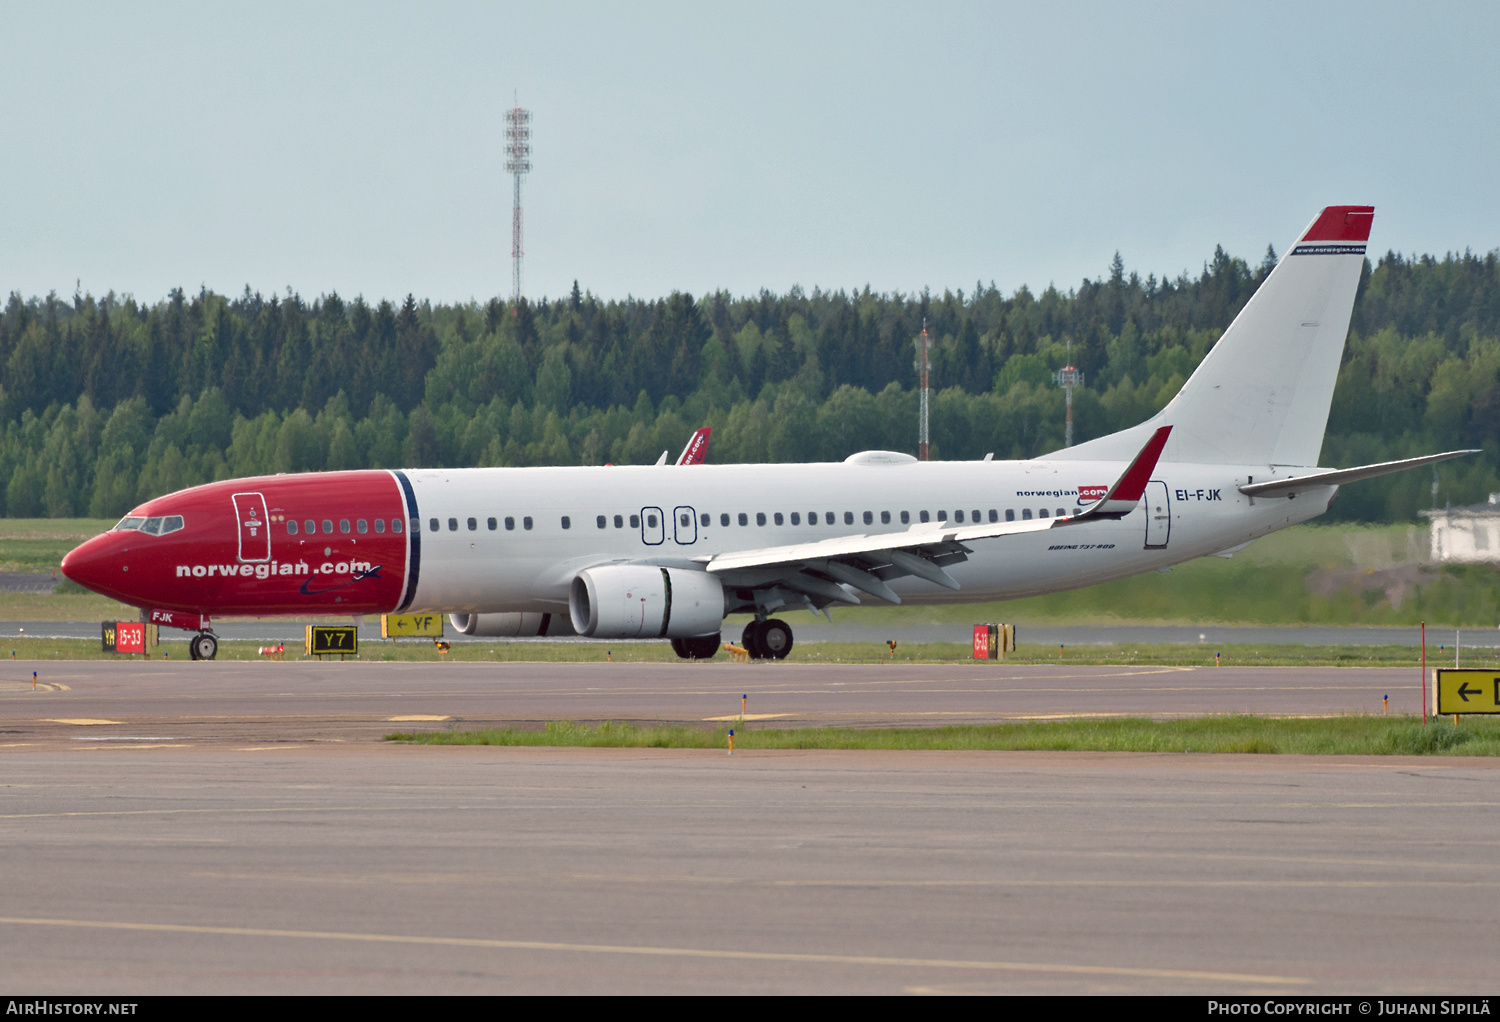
(699, 647)
(750, 639)
(775, 639)
(204, 646)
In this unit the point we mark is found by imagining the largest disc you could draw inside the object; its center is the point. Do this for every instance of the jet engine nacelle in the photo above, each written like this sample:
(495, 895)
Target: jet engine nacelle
(629, 601)
(511, 625)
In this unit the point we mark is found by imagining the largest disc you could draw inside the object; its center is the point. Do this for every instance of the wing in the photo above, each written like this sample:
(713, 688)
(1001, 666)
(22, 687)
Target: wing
(818, 573)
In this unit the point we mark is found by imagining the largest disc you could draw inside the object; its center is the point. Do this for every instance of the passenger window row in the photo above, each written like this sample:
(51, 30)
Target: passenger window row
(974, 516)
(309, 526)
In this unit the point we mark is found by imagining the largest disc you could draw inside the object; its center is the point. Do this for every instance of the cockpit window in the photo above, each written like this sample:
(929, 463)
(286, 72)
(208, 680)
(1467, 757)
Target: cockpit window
(157, 526)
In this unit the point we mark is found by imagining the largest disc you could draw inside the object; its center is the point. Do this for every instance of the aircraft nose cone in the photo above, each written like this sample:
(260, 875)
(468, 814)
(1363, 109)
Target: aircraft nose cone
(95, 565)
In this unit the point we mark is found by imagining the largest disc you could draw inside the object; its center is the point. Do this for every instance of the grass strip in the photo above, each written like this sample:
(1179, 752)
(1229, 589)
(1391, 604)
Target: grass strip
(1325, 736)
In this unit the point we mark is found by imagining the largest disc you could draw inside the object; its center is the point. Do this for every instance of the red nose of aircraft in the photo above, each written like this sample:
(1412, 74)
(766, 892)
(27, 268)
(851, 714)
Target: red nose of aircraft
(103, 565)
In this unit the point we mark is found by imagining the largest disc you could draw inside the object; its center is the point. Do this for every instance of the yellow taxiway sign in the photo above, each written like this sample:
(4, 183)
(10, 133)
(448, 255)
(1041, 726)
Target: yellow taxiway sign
(1465, 691)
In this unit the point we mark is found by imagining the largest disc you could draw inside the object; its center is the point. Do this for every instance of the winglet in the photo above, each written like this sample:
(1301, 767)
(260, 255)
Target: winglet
(696, 451)
(1126, 493)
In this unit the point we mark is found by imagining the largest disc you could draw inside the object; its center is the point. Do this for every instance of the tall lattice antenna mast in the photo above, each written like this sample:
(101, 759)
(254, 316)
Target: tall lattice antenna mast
(923, 347)
(517, 163)
(1067, 378)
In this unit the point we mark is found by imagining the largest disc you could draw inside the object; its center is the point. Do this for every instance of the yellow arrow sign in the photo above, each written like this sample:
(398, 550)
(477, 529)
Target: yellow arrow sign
(1465, 691)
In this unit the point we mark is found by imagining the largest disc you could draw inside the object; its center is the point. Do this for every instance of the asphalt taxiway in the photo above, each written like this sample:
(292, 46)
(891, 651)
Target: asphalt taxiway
(228, 828)
(300, 700)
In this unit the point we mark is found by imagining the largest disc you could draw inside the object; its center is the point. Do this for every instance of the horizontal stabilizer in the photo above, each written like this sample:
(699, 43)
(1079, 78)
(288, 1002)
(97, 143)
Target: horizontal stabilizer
(1336, 477)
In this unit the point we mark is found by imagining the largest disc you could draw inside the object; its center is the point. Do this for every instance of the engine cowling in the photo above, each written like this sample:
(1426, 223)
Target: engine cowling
(511, 625)
(632, 601)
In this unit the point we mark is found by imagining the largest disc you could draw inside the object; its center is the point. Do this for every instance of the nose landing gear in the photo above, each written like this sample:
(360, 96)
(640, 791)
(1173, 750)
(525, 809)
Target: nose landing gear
(767, 640)
(203, 646)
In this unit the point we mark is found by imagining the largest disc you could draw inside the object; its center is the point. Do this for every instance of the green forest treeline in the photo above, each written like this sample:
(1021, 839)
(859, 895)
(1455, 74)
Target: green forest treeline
(107, 402)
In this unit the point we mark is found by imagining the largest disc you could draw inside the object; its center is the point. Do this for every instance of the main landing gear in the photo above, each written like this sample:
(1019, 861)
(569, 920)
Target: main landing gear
(203, 646)
(767, 640)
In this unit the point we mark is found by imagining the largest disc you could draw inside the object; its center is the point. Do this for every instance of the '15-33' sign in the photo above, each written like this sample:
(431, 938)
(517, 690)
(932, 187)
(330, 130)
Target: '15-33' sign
(124, 636)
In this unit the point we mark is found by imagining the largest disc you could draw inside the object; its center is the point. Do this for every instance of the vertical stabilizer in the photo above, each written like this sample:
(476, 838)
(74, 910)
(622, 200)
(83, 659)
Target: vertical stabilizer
(1261, 395)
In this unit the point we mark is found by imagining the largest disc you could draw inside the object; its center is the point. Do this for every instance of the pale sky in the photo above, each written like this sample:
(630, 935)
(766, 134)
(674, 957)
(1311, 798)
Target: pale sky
(359, 147)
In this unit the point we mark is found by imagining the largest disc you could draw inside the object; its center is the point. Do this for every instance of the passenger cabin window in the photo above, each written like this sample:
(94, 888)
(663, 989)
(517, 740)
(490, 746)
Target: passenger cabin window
(885, 518)
(924, 516)
(724, 520)
(328, 526)
(942, 516)
(760, 518)
(744, 518)
(848, 517)
(704, 519)
(433, 526)
(473, 524)
(635, 521)
(1062, 512)
(415, 523)
(1010, 514)
(361, 526)
(1026, 514)
(490, 524)
(453, 525)
(906, 518)
(958, 516)
(812, 518)
(778, 519)
(526, 522)
(869, 518)
(396, 524)
(994, 515)
(291, 526)
(567, 523)
(510, 524)
(344, 526)
(975, 519)
(380, 526)
(796, 518)
(1042, 513)
(650, 522)
(620, 522)
(601, 522)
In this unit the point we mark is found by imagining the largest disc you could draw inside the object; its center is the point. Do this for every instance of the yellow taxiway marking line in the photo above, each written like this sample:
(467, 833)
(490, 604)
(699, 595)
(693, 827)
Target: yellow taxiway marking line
(668, 952)
(119, 748)
(81, 721)
(416, 716)
(752, 716)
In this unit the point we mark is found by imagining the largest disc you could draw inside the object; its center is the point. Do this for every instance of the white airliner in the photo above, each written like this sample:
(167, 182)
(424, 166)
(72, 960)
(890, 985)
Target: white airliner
(646, 551)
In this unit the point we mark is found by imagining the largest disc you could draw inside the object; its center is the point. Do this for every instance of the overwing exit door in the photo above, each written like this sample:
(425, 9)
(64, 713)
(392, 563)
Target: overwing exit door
(254, 527)
(1158, 515)
(653, 526)
(684, 525)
